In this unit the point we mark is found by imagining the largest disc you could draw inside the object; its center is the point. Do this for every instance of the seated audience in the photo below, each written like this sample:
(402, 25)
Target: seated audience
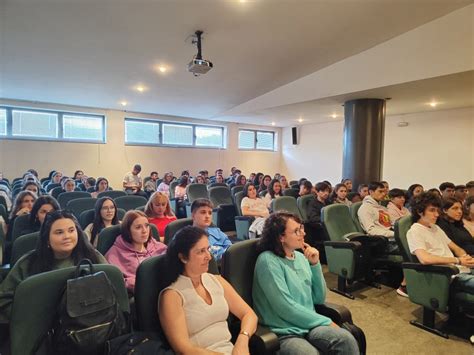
(274, 191)
(61, 244)
(33, 187)
(105, 215)
(468, 219)
(348, 184)
(55, 178)
(199, 179)
(470, 188)
(101, 185)
(254, 206)
(436, 192)
(305, 187)
(430, 244)
(164, 186)
(219, 179)
(339, 195)
(413, 191)
(42, 206)
(150, 185)
(23, 204)
(451, 223)
(354, 197)
(78, 174)
(68, 184)
(241, 180)
(201, 212)
(159, 213)
(134, 245)
(460, 192)
(284, 182)
(396, 207)
(265, 183)
(132, 182)
(314, 224)
(363, 190)
(287, 284)
(447, 189)
(195, 306)
(180, 196)
(257, 181)
(251, 177)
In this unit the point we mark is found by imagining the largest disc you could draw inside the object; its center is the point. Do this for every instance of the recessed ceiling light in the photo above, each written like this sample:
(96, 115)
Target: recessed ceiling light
(334, 115)
(162, 69)
(273, 123)
(140, 88)
(300, 120)
(433, 104)
(123, 103)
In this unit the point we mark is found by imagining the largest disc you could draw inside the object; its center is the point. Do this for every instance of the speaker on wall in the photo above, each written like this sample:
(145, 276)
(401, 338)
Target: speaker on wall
(294, 135)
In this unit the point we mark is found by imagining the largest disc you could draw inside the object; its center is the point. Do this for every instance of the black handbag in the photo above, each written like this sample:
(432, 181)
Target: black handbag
(138, 343)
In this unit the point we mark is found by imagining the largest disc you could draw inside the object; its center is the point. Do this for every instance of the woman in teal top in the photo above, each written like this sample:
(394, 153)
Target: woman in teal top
(286, 286)
(61, 244)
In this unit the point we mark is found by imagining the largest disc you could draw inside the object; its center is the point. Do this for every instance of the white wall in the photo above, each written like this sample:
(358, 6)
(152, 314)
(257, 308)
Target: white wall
(435, 146)
(114, 158)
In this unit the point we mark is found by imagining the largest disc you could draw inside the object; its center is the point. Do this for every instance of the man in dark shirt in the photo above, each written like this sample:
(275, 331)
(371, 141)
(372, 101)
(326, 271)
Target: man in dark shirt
(314, 229)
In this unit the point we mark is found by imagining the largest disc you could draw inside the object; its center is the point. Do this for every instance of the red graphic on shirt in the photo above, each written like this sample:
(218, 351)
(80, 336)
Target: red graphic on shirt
(384, 219)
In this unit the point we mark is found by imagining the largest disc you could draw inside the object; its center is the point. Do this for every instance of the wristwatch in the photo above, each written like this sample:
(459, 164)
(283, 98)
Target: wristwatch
(243, 332)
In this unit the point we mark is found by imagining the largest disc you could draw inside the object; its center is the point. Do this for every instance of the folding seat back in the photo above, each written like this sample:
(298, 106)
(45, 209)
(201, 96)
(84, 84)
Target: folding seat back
(215, 184)
(23, 245)
(293, 182)
(239, 196)
(32, 317)
(113, 194)
(354, 209)
(338, 222)
(286, 203)
(130, 202)
(175, 226)
(303, 202)
(21, 226)
(291, 192)
(195, 191)
(65, 197)
(3, 210)
(56, 191)
(401, 227)
(172, 187)
(78, 205)
(242, 223)
(108, 235)
(220, 195)
(236, 189)
(224, 216)
(149, 283)
(262, 193)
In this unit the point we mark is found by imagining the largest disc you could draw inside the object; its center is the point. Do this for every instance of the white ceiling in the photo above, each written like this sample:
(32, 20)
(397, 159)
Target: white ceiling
(93, 53)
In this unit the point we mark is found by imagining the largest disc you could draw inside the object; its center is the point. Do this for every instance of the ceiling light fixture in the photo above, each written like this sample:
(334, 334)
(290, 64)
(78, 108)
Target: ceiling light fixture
(433, 104)
(140, 88)
(273, 123)
(334, 115)
(300, 120)
(162, 69)
(123, 103)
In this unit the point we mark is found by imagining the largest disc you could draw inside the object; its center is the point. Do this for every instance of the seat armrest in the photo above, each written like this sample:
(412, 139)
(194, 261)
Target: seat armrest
(244, 218)
(448, 270)
(264, 341)
(352, 235)
(339, 314)
(343, 245)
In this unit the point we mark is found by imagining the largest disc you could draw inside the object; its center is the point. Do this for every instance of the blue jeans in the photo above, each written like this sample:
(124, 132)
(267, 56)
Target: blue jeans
(465, 283)
(324, 339)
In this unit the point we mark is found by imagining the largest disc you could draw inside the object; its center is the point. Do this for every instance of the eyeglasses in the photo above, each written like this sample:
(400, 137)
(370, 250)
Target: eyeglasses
(300, 230)
(112, 208)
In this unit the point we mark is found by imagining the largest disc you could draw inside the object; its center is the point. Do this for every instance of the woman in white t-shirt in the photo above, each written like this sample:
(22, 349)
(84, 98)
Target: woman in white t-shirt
(274, 191)
(254, 206)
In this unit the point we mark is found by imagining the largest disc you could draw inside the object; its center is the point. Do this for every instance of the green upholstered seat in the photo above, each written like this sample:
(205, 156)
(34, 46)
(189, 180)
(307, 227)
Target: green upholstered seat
(113, 194)
(286, 203)
(130, 202)
(303, 202)
(175, 226)
(65, 197)
(78, 205)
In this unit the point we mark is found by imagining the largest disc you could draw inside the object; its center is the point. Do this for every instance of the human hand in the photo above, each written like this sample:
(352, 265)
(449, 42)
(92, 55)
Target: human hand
(24, 210)
(310, 253)
(466, 260)
(241, 346)
(333, 325)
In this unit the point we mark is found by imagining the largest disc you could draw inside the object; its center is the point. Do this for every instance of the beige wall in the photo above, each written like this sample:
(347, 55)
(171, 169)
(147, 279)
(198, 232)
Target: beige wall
(435, 146)
(114, 158)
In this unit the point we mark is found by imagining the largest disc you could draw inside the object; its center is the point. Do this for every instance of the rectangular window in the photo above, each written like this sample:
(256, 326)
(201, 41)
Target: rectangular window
(3, 122)
(256, 140)
(83, 127)
(31, 123)
(34, 124)
(175, 134)
(142, 132)
(209, 137)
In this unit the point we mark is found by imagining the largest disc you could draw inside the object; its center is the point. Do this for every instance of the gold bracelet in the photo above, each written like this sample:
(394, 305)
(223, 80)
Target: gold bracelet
(243, 332)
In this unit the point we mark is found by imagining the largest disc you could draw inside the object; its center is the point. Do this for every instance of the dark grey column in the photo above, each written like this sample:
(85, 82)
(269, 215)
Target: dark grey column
(364, 128)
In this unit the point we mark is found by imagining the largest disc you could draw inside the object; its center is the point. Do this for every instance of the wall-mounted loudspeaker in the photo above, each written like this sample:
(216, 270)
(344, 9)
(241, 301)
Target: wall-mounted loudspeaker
(294, 135)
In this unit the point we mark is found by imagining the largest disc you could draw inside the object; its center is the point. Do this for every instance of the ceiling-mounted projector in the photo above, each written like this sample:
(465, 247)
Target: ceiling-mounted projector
(199, 66)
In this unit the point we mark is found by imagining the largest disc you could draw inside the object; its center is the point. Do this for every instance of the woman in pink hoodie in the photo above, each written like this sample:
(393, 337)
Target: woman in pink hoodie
(134, 245)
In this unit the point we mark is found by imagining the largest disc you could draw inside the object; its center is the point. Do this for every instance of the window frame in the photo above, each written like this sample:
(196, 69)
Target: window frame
(60, 125)
(255, 132)
(161, 124)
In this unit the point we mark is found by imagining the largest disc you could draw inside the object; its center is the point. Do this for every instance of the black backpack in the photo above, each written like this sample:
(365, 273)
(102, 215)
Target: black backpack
(88, 314)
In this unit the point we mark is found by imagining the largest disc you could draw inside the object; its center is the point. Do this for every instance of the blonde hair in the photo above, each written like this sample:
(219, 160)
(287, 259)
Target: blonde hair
(158, 197)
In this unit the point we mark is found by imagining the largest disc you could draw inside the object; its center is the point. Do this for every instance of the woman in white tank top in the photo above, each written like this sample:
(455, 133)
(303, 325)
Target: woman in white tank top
(195, 306)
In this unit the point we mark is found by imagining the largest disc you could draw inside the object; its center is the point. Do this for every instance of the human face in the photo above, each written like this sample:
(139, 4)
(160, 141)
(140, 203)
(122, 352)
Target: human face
(135, 171)
(378, 194)
(154, 177)
(399, 201)
(266, 181)
(63, 237)
(449, 192)
(243, 180)
(107, 211)
(417, 191)
(260, 178)
(385, 184)
(79, 175)
(168, 178)
(342, 193)
(283, 181)
(322, 195)
(103, 185)
(252, 192)
(198, 259)
(429, 216)
(200, 180)
(57, 178)
(461, 194)
(454, 212)
(471, 210)
(364, 192)
(159, 207)
(32, 188)
(303, 190)
(219, 179)
(293, 238)
(27, 202)
(277, 187)
(45, 209)
(202, 217)
(348, 184)
(252, 176)
(69, 186)
(140, 231)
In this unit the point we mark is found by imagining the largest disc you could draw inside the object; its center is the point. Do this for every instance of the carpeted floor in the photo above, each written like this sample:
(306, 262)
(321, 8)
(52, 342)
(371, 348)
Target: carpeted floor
(384, 316)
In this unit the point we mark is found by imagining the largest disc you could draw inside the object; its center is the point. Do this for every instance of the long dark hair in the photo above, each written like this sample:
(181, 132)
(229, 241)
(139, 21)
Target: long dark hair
(43, 256)
(273, 228)
(19, 200)
(245, 190)
(447, 203)
(270, 190)
(183, 241)
(42, 200)
(98, 223)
